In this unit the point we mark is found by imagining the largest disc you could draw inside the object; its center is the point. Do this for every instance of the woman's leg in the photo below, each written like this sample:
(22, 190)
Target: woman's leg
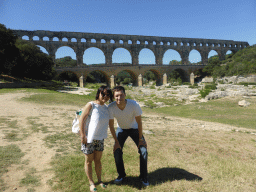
(88, 167)
(97, 162)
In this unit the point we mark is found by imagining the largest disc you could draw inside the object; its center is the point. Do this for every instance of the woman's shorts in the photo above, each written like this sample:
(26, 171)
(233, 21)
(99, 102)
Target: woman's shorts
(97, 145)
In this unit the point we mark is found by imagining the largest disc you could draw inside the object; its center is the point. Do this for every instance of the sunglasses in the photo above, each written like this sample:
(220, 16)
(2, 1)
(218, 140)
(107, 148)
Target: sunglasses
(103, 94)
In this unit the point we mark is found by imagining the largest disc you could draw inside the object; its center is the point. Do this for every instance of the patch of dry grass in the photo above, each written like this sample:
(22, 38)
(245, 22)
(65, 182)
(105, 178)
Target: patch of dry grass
(201, 160)
(224, 110)
(183, 160)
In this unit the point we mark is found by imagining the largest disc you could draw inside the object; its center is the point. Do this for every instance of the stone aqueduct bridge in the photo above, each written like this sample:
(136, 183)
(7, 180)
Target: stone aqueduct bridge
(107, 43)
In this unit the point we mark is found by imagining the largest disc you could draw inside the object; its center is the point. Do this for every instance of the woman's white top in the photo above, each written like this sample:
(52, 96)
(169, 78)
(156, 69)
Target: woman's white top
(98, 125)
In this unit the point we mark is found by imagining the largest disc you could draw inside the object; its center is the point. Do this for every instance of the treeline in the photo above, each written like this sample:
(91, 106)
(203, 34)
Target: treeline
(23, 59)
(122, 78)
(175, 62)
(65, 62)
(69, 62)
(242, 62)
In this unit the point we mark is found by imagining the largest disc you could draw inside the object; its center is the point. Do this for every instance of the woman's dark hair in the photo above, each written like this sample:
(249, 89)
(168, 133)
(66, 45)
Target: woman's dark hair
(118, 88)
(102, 89)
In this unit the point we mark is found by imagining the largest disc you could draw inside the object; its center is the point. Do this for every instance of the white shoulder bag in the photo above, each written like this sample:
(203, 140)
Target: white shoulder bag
(75, 125)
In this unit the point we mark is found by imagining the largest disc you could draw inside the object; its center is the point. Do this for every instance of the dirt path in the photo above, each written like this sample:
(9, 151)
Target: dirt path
(37, 155)
(28, 117)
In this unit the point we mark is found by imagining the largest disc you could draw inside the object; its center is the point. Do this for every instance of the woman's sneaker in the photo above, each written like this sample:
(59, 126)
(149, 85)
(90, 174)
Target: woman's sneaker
(119, 180)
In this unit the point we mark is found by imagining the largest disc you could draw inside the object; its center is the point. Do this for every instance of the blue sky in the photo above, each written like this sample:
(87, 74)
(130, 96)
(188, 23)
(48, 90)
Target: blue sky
(212, 19)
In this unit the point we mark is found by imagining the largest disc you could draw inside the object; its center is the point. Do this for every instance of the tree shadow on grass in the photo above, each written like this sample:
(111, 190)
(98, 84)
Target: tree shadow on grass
(161, 176)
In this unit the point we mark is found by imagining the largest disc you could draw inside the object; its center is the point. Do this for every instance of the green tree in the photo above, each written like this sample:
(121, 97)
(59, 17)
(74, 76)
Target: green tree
(23, 59)
(96, 77)
(9, 53)
(65, 62)
(127, 81)
(150, 76)
(123, 77)
(213, 62)
(90, 78)
(242, 62)
(177, 75)
(69, 76)
(34, 63)
(199, 73)
(175, 62)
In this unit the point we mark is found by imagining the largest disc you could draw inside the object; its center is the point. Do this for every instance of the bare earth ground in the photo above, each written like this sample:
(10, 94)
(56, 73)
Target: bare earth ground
(58, 118)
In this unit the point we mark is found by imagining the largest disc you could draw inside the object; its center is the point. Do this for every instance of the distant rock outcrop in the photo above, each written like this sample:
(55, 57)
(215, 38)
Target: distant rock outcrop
(243, 103)
(238, 79)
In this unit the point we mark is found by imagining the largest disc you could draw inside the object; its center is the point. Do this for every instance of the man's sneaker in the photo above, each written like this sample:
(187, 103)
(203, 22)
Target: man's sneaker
(145, 182)
(119, 180)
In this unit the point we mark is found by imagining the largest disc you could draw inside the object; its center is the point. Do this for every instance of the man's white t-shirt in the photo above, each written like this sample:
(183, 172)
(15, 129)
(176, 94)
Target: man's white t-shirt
(126, 117)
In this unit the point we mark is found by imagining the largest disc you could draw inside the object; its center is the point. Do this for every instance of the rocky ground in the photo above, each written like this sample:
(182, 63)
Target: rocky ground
(178, 94)
(187, 95)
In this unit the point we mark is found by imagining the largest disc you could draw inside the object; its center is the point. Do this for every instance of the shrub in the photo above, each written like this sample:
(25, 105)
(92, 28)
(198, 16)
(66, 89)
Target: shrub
(177, 74)
(127, 81)
(193, 86)
(246, 84)
(150, 104)
(73, 84)
(176, 82)
(210, 86)
(204, 92)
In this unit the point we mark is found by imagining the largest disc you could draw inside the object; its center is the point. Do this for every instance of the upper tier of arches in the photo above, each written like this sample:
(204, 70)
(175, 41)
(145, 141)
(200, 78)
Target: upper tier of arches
(102, 38)
(79, 42)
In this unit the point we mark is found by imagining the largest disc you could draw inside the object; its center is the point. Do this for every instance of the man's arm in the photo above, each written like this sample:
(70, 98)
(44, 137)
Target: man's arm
(112, 130)
(141, 140)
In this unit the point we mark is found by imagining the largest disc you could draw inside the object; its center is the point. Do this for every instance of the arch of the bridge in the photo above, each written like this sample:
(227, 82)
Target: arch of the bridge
(134, 71)
(133, 43)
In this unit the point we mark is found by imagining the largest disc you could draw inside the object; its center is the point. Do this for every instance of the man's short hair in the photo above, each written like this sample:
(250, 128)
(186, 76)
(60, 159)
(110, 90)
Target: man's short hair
(118, 88)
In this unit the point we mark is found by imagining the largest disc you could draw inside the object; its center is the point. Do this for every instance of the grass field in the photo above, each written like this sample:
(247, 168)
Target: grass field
(198, 161)
(224, 110)
(179, 159)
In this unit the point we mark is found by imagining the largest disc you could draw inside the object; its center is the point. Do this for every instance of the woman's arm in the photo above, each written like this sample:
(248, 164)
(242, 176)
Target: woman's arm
(82, 119)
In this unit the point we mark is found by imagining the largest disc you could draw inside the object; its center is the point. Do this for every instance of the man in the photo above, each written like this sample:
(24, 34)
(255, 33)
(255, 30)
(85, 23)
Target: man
(128, 115)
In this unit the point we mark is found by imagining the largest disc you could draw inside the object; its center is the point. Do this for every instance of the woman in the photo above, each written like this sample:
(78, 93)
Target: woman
(93, 136)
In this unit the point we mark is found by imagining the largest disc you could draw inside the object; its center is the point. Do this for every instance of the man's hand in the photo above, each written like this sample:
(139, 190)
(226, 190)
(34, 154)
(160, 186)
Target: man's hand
(142, 142)
(116, 146)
